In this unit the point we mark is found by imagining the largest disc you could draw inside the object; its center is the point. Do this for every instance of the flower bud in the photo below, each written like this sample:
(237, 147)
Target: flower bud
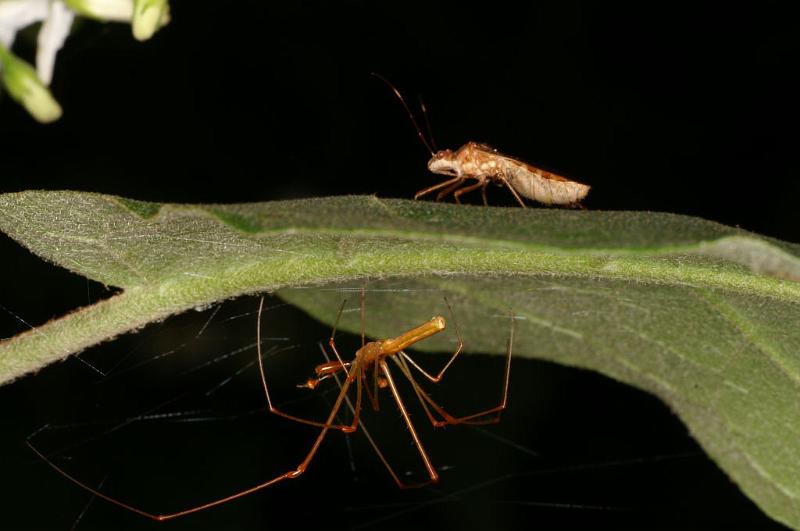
(117, 10)
(148, 16)
(25, 87)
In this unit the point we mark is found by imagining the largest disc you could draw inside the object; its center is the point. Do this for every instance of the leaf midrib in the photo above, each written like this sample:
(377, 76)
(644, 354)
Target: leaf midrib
(478, 241)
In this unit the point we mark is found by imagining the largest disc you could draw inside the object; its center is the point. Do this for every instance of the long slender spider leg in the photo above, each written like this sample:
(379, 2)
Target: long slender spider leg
(363, 318)
(385, 461)
(447, 419)
(395, 476)
(336, 324)
(467, 189)
(356, 411)
(434, 477)
(435, 187)
(450, 189)
(375, 389)
(371, 396)
(512, 190)
(331, 341)
(474, 418)
(350, 374)
(440, 375)
(425, 401)
(274, 410)
(291, 474)
(428, 403)
(365, 431)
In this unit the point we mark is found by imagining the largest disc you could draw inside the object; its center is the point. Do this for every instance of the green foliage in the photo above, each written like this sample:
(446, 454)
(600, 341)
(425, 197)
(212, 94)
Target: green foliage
(702, 315)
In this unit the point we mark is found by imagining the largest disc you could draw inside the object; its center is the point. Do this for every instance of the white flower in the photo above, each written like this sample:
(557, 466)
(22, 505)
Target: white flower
(56, 16)
(51, 38)
(147, 15)
(25, 86)
(17, 14)
(116, 10)
(57, 20)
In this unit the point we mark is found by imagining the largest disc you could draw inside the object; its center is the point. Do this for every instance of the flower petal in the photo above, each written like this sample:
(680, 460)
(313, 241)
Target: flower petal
(16, 14)
(51, 38)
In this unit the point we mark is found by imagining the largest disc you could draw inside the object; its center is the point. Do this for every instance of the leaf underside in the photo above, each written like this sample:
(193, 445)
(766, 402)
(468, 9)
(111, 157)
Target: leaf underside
(702, 315)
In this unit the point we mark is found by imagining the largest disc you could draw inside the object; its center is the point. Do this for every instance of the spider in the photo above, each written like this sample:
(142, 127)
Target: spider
(371, 358)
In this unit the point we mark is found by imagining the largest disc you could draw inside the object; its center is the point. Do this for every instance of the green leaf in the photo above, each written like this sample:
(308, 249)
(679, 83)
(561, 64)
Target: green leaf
(702, 315)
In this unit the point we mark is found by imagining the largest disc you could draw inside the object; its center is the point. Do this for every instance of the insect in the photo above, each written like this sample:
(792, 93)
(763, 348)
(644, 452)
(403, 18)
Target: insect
(484, 164)
(370, 361)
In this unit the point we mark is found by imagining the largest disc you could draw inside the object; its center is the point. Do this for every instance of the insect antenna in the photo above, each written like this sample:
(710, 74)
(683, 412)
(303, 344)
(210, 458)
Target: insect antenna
(427, 123)
(408, 110)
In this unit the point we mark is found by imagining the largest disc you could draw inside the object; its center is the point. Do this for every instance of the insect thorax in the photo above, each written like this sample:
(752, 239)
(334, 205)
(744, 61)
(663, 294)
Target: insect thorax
(472, 160)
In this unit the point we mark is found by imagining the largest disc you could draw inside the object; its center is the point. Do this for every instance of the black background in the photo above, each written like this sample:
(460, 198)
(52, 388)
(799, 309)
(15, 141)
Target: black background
(687, 108)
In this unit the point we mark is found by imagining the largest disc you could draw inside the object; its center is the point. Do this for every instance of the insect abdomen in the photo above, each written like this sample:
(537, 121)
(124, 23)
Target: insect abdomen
(548, 189)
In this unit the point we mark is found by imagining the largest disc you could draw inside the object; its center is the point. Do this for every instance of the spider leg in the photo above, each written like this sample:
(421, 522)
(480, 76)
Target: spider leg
(440, 375)
(434, 476)
(363, 429)
(473, 418)
(347, 428)
(291, 474)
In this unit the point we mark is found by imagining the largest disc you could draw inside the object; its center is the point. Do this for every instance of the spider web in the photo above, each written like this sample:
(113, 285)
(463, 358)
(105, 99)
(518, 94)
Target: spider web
(174, 416)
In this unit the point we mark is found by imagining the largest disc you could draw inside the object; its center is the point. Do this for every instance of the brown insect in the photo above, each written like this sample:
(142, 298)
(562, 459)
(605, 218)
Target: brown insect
(370, 359)
(484, 164)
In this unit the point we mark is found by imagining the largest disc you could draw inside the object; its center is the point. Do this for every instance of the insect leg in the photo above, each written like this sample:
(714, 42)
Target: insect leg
(435, 187)
(449, 190)
(483, 192)
(458, 193)
(511, 188)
